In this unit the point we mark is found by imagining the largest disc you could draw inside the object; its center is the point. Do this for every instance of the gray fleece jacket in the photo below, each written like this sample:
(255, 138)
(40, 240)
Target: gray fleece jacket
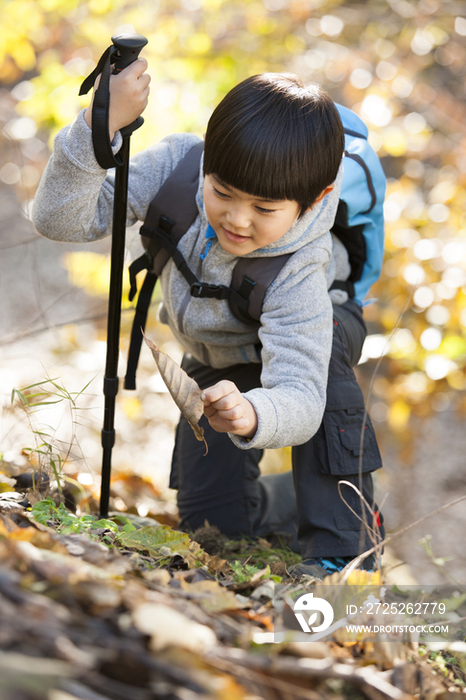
(74, 203)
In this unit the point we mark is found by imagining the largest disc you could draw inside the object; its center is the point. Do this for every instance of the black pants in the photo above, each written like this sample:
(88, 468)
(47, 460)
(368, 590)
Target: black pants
(224, 487)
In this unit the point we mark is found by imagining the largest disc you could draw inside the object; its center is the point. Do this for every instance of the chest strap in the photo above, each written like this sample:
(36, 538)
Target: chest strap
(161, 238)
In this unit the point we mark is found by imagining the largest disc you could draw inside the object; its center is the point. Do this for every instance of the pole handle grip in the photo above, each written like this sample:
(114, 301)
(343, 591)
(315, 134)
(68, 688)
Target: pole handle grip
(128, 46)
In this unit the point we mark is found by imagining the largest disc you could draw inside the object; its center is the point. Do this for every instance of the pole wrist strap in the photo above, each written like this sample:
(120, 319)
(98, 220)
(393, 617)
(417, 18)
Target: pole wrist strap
(100, 111)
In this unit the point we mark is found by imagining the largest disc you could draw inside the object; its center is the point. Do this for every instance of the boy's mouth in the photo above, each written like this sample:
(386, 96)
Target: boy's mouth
(234, 237)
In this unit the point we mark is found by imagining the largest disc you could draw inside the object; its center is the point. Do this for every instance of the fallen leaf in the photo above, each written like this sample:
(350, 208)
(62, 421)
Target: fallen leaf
(152, 539)
(99, 594)
(137, 520)
(184, 390)
(41, 540)
(61, 568)
(260, 574)
(12, 502)
(22, 675)
(359, 577)
(214, 564)
(212, 596)
(265, 590)
(265, 619)
(168, 627)
(159, 576)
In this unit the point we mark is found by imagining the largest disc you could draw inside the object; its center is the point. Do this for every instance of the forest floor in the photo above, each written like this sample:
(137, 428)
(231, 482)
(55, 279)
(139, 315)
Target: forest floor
(130, 608)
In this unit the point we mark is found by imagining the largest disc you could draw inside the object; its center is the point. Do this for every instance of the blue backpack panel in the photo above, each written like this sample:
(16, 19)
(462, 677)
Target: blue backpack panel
(363, 192)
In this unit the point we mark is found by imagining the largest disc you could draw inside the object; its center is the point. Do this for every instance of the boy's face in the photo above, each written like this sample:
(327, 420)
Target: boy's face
(243, 223)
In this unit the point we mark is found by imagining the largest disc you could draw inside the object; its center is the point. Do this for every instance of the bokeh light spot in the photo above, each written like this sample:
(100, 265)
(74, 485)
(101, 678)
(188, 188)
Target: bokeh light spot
(426, 248)
(414, 274)
(376, 110)
(385, 70)
(331, 26)
(438, 366)
(361, 78)
(438, 315)
(414, 122)
(460, 26)
(431, 338)
(423, 297)
(438, 213)
(10, 174)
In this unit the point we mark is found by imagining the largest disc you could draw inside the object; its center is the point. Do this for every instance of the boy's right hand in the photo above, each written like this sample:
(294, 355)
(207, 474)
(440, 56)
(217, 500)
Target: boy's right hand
(228, 411)
(129, 93)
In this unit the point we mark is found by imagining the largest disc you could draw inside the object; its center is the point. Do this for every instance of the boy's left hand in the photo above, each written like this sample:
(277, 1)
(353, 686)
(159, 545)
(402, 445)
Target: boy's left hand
(228, 411)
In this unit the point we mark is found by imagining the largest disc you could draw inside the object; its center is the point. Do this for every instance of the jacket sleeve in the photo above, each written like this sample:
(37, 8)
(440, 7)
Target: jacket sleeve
(296, 337)
(74, 201)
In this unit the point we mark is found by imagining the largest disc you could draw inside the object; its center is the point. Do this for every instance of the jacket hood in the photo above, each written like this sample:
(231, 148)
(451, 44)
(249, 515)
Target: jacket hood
(315, 223)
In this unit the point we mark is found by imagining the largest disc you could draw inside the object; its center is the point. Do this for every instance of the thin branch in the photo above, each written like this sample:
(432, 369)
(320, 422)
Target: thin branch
(71, 321)
(370, 530)
(355, 563)
(52, 327)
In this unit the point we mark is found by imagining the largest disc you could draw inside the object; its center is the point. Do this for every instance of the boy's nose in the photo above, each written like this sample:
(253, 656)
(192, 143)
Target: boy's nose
(238, 217)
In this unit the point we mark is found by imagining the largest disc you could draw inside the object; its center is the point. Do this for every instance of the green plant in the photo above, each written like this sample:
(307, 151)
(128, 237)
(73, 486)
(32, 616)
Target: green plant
(49, 454)
(255, 551)
(244, 573)
(61, 519)
(439, 562)
(447, 665)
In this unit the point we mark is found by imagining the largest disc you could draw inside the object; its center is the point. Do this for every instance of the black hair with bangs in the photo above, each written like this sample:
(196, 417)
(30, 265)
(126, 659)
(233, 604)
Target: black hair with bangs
(275, 138)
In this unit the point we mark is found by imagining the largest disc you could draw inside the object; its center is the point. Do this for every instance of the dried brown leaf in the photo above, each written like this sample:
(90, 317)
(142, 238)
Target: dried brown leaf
(184, 390)
(211, 595)
(214, 564)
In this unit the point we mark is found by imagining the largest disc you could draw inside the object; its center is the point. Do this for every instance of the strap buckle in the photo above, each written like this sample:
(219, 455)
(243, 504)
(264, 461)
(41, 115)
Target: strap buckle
(210, 291)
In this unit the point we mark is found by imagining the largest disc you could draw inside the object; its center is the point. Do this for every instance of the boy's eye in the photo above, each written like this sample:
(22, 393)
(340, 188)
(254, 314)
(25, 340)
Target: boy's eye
(220, 194)
(225, 195)
(265, 211)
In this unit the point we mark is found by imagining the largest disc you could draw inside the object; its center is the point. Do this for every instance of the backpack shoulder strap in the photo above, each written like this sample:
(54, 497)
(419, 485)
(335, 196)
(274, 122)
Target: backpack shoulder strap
(260, 272)
(176, 201)
(164, 212)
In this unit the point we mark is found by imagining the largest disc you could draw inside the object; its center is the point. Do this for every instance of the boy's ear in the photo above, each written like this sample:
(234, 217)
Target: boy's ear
(323, 194)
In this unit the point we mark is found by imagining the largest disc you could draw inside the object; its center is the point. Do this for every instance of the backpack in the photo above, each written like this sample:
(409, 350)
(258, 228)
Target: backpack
(358, 224)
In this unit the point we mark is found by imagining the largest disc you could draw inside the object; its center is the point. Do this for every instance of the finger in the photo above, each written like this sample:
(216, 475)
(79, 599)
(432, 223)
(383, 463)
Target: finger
(218, 391)
(228, 403)
(228, 426)
(141, 64)
(239, 424)
(232, 414)
(144, 80)
(136, 68)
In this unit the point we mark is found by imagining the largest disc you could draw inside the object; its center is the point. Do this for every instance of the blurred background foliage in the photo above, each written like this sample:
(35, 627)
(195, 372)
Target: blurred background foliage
(399, 64)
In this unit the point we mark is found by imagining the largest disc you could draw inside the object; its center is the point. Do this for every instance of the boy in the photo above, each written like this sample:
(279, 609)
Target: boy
(269, 184)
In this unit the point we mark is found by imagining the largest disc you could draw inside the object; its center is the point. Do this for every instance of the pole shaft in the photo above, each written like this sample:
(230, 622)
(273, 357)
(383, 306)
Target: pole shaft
(113, 322)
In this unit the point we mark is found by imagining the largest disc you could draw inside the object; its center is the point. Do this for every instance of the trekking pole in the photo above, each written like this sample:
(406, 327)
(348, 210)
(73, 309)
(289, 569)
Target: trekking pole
(124, 50)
